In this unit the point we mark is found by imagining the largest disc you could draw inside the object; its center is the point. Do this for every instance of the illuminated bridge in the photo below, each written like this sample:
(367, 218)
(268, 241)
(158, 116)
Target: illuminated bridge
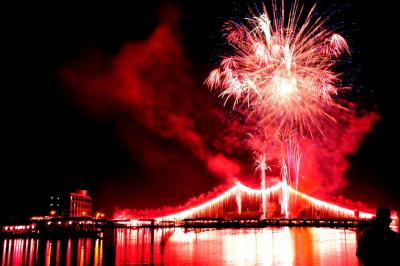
(281, 200)
(243, 206)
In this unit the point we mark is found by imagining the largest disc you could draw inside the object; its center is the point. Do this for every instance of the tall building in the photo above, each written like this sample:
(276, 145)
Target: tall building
(71, 204)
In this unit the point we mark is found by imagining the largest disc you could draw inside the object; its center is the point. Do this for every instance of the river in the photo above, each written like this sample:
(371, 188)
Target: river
(177, 246)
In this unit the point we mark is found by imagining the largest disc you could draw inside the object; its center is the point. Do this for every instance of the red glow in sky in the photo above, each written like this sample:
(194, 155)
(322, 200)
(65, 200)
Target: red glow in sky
(184, 141)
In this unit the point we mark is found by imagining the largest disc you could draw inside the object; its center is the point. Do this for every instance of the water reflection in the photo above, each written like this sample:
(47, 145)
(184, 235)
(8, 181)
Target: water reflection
(29, 251)
(177, 246)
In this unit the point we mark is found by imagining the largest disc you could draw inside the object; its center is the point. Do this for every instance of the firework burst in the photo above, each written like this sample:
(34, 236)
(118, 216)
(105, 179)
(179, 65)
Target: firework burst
(281, 69)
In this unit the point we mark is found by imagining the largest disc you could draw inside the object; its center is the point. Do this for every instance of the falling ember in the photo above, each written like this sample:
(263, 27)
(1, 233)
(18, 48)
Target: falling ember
(281, 69)
(285, 199)
(239, 202)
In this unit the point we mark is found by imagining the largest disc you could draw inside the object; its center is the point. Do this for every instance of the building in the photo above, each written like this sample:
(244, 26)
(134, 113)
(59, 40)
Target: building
(80, 204)
(59, 205)
(71, 204)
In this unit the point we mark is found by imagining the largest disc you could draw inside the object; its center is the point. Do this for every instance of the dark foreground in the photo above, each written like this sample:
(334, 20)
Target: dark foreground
(189, 246)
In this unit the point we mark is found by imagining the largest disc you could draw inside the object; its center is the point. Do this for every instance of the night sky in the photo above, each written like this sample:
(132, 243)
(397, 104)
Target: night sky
(58, 133)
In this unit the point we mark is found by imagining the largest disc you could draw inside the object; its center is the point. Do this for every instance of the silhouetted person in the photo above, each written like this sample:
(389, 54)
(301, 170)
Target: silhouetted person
(378, 244)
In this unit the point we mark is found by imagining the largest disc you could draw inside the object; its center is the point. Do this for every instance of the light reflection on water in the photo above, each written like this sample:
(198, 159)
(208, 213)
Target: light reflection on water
(177, 246)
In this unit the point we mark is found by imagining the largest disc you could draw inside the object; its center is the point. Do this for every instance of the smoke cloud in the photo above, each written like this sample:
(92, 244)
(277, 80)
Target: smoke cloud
(183, 141)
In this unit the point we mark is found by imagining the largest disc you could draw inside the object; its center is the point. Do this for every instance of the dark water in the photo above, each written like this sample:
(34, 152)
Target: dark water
(177, 246)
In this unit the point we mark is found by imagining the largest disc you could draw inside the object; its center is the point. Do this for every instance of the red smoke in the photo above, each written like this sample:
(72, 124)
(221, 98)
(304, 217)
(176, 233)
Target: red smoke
(164, 117)
(175, 130)
(166, 210)
(324, 163)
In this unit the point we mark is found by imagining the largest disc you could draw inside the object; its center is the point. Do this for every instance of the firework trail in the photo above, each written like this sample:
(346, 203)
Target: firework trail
(293, 160)
(261, 164)
(285, 191)
(281, 74)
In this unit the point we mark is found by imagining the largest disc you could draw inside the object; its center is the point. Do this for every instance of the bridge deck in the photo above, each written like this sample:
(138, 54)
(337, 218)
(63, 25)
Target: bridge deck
(257, 223)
